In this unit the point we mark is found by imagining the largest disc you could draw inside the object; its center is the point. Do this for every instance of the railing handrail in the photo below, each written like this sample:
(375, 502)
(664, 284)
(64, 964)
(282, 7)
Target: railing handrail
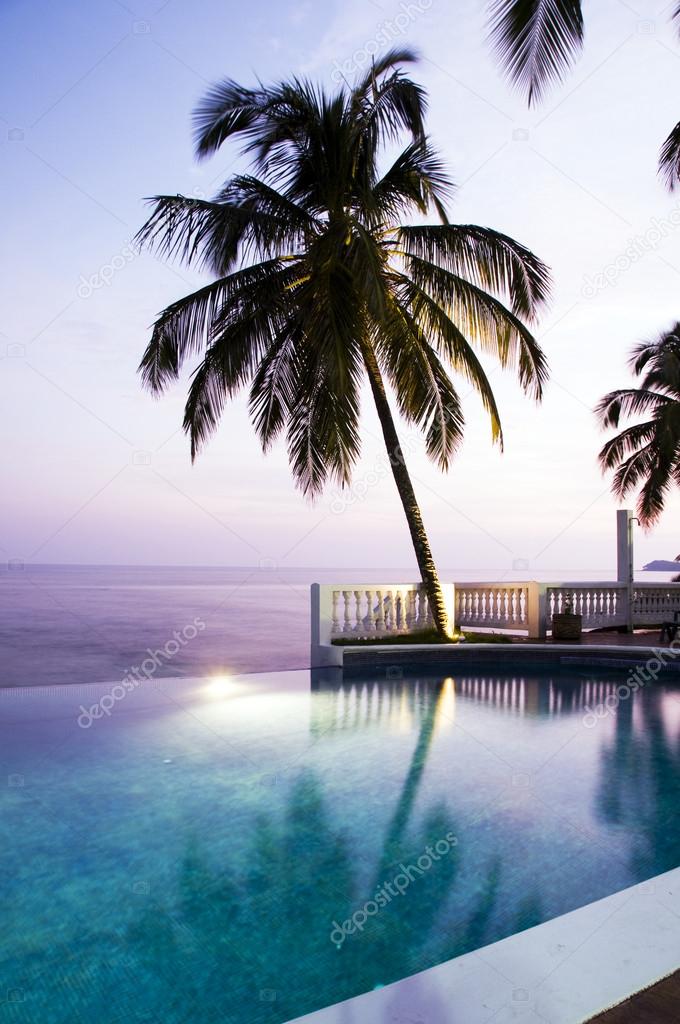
(371, 586)
(543, 583)
(566, 583)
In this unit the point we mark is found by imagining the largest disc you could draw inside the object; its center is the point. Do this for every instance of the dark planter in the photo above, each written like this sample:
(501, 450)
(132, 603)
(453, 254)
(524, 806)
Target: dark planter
(567, 626)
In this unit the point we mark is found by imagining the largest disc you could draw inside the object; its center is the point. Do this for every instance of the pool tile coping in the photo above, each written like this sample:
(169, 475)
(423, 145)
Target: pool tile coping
(564, 971)
(532, 655)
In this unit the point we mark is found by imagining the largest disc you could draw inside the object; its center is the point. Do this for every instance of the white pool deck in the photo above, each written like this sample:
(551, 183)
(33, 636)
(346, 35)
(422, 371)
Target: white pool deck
(564, 971)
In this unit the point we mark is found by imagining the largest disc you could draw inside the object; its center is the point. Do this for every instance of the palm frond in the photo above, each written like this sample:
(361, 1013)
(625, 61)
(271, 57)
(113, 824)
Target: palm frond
(485, 320)
(416, 180)
(424, 392)
(486, 257)
(386, 104)
(657, 363)
(194, 231)
(669, 159)
(443, 414)
(632, 470)
(186, 326)
(241, 336)
(391, 60)
(227, 109)
(536, 40)
(247, 219)
(627, 402)
(205, 403)
(625, 443)
(646, 455)
(653, 495)
(273, 388)
(452, 345)
(323, 431)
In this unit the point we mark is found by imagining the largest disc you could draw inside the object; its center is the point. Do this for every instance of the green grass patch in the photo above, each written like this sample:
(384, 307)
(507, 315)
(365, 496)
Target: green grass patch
(424, 636)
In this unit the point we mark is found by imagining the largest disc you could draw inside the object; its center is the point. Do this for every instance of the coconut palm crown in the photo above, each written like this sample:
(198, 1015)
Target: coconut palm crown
(646, 455)
(319, 283)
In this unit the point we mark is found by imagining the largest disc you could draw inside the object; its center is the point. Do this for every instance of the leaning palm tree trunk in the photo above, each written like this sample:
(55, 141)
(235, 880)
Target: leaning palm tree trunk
(421, 545)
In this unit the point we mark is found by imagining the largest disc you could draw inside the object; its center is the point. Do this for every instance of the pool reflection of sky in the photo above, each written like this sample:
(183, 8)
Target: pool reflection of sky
(185, 857)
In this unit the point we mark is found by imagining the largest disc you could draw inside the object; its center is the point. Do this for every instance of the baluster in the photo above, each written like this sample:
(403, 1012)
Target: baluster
(369, 624)
(399, 610)
(410, 609)
(379, 613)
(389, 610)
(335, 624)
(347, 628)
(358, 621)
(422, 611)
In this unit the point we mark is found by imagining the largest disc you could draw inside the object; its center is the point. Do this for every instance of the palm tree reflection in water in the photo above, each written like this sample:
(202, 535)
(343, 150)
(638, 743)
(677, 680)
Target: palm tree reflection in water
(257, 949)
(640, 780)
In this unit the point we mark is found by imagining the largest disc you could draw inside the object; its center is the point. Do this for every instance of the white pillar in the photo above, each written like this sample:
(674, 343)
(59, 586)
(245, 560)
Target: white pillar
(624, 559)
(537, 610)
(322, 652)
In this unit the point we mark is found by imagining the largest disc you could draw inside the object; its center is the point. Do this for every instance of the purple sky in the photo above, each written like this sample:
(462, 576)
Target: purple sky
(95, 115)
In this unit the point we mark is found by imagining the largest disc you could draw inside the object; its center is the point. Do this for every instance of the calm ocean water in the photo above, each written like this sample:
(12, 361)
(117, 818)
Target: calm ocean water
(76, 624)
(73, 624)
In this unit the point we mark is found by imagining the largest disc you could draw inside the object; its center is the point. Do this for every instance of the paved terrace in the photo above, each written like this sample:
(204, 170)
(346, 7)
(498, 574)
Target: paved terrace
(659, 1004)
(639, 638)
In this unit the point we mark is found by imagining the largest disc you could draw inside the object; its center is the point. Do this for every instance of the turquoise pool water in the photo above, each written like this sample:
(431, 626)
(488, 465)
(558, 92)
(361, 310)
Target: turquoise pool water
(251, 849)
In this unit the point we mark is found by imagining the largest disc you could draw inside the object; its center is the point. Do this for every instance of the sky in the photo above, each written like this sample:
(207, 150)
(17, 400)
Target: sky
(95, 110)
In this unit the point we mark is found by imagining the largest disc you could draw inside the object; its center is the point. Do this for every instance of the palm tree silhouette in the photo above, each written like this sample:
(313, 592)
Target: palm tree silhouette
(319, 284)
(537, 41)
(301, 876)
(648, 452)
(640, 783)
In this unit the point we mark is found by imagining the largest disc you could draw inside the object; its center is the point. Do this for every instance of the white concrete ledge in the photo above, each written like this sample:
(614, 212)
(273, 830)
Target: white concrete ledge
(564, 971)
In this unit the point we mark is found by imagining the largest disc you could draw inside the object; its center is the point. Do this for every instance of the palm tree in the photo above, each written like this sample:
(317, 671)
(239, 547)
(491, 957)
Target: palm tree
(318, 283)
(537, 41)
(646, 452)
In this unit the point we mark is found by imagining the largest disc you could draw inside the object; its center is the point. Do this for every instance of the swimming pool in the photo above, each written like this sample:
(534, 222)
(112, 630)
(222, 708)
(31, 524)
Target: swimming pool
(252, 849)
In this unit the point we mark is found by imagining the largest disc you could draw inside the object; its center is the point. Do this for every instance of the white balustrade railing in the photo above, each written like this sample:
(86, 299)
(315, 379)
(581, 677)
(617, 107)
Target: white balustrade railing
(356, 611)
(653, 602)
(599, 604)
(346, 612)
(492, 605)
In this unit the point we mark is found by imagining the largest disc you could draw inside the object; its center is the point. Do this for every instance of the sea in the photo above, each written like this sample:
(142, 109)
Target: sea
(89, 624)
